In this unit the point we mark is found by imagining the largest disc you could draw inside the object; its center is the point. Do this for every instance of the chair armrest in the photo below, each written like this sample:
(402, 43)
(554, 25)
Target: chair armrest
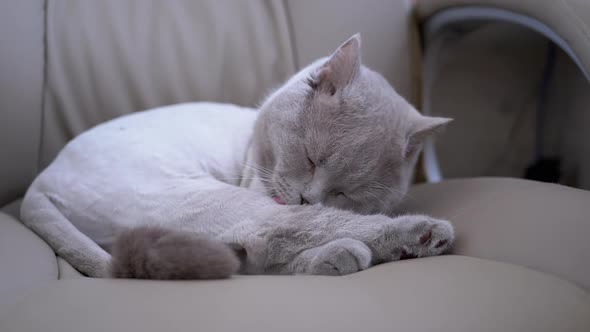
(25, 259)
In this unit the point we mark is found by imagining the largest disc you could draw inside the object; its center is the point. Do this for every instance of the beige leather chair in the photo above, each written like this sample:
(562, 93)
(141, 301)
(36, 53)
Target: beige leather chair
(521, 262)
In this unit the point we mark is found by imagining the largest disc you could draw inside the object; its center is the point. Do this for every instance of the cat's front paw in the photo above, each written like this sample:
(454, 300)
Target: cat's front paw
(340, 257)
(413, 236)
(427, 237)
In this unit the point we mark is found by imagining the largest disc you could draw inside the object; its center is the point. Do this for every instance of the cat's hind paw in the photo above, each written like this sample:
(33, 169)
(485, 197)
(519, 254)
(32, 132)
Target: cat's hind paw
(340, 257)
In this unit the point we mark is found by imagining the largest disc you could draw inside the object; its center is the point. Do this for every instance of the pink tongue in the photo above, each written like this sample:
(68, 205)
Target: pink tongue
(279, 200)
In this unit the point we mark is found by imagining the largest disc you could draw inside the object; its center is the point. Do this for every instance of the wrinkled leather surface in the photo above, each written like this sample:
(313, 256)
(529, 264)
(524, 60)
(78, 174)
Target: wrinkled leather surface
(21, 82)
(451, 293)
(110, 57)
(539, 225)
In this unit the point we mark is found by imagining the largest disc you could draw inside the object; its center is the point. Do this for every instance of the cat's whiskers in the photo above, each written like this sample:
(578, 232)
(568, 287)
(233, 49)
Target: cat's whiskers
(237, 176)
(259, 169)
(279, 187)
(380, 186)
(248, 178)
(383, 204)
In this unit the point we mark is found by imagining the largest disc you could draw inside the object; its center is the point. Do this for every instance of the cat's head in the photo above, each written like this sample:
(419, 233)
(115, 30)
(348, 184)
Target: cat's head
(339, 134)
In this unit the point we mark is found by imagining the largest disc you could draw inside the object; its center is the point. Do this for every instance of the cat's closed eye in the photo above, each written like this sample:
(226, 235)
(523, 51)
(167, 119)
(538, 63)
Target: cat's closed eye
(311, 163)
(339, 194)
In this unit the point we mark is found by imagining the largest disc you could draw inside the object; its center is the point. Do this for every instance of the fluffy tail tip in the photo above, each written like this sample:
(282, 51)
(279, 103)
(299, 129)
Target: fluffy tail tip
(152, 252)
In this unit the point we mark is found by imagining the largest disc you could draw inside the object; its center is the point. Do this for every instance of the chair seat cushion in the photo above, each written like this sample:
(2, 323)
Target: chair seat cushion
(446, 293)
(25, 260)
(539, 225)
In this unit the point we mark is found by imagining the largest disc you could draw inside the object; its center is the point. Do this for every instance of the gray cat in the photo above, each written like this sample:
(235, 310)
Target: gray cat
(308, 184)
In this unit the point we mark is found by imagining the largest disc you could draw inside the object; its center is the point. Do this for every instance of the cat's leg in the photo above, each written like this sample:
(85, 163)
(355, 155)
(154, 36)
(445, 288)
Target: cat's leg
(404, 237)
(332, 237)
(44, 218)
(285, 239)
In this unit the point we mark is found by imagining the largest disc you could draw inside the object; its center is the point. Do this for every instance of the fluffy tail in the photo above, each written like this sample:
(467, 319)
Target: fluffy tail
(150, 252)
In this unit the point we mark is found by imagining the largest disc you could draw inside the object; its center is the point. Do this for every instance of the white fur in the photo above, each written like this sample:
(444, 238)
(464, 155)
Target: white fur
(146, 168)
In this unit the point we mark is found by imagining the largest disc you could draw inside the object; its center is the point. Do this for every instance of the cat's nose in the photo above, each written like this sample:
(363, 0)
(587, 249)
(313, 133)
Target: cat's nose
(304, 201)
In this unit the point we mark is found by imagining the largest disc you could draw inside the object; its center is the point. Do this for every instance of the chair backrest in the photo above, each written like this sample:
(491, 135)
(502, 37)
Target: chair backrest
(66, 66)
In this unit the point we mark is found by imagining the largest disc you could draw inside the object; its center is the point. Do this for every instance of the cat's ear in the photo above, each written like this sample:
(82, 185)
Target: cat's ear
(422, 128)
(341, 68)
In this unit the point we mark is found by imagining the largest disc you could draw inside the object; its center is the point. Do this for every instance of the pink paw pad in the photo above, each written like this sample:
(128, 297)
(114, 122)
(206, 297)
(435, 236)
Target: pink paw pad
(425, 238)
(441, 243)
